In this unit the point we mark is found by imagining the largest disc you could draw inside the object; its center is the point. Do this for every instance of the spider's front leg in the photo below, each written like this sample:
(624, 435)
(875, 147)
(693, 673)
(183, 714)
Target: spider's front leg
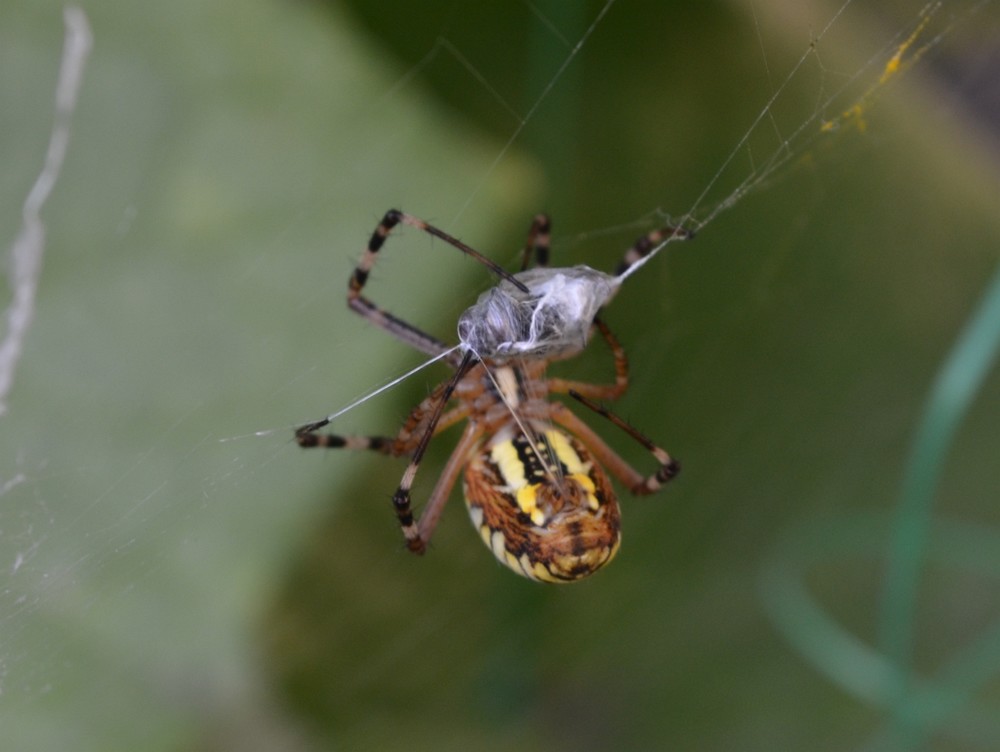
(400, 329)
(644, 245)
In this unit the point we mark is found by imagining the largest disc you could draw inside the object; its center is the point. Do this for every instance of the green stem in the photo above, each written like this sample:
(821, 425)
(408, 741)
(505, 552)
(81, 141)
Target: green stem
(956, 386)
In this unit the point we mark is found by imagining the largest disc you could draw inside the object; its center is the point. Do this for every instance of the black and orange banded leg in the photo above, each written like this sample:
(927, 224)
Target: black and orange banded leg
(307, 439)
(641, 247)
(638, 485)
(425, 419)
(361, 305)
(401, 498)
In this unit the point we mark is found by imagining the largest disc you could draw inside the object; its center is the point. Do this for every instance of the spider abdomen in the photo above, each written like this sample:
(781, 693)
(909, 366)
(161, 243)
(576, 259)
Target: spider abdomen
(543, 506)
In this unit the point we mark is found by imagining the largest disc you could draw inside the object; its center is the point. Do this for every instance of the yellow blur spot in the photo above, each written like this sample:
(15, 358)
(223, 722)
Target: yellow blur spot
(855, 114)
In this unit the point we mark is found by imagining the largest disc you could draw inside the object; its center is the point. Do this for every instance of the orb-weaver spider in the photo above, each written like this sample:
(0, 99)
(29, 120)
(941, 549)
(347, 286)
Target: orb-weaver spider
(534, 480)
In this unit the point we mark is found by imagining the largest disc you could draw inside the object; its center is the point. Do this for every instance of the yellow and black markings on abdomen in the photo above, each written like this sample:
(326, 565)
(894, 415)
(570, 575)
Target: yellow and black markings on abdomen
(543, 506)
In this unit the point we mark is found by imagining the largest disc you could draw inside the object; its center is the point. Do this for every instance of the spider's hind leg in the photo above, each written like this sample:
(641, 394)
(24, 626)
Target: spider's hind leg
(639, 485)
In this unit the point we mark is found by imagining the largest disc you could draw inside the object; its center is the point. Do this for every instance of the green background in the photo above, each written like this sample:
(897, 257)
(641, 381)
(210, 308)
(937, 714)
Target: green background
(170, 581)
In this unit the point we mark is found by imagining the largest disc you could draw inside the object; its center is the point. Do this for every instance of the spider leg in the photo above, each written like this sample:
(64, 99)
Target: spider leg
(442, 489)
(599, 391)
(642, 247)
(424, 422)
(404, 443)
(401, 498)
(538, 242)
(637, 484)
(361, 305)
(307, 438)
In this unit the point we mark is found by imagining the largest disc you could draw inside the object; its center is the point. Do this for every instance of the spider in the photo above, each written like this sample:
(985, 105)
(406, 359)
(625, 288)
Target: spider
(534, 478)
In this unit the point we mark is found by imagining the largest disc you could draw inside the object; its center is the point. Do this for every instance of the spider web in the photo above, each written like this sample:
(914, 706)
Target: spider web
(165, 589)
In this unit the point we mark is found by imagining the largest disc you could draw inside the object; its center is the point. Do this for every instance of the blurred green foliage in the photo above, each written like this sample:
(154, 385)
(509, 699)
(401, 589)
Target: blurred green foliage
(168, 590)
